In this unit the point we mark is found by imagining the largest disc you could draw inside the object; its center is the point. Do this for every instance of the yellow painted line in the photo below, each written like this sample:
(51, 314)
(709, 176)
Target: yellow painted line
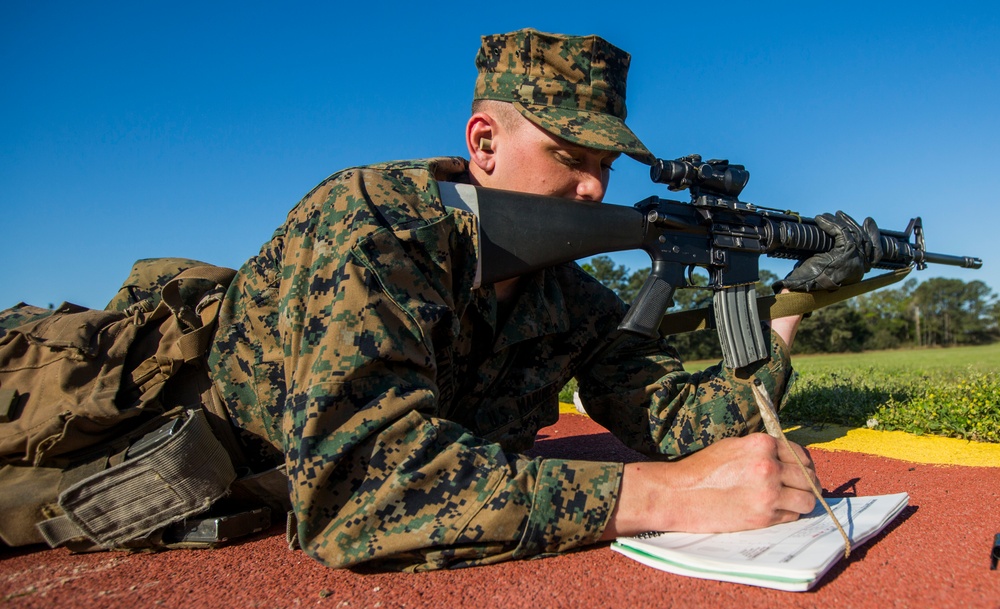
(565, 408)
(892, 444)
(899, 445)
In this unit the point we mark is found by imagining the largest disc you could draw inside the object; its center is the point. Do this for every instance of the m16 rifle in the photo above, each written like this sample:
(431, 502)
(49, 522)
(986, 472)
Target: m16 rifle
(522, 233)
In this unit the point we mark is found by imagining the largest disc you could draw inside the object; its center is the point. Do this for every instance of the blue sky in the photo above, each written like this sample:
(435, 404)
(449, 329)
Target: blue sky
(138, 129)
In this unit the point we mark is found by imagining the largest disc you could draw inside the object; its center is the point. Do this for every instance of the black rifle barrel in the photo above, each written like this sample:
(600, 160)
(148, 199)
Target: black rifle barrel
(801, 238)
(967, 262)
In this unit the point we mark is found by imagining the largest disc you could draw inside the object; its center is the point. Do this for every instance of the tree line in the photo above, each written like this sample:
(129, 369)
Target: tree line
(937, 312)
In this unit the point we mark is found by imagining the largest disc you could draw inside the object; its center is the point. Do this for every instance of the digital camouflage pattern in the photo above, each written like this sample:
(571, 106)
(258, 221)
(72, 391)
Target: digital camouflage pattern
(570, 86)
(20, 314)
(147, 278)
(354, 347)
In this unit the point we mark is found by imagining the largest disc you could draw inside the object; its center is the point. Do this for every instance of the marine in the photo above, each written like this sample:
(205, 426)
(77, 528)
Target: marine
(358, 355)
(357, 348)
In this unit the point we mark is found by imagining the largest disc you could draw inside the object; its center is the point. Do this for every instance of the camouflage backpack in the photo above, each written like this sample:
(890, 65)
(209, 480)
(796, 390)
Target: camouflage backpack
(110, 428)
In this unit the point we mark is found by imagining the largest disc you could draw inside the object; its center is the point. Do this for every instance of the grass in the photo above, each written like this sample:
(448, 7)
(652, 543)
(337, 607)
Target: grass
(949, 392)
(946, 392)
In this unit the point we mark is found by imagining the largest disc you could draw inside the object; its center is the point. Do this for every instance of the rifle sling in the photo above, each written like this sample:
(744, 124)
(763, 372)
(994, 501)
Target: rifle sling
(781, 305)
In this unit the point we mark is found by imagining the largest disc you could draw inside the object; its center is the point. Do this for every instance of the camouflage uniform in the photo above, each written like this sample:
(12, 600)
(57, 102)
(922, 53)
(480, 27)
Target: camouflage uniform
(355, 346)
(355, 349)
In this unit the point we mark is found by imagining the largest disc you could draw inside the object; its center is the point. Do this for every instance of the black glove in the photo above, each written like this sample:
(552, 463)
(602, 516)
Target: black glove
(855, 250)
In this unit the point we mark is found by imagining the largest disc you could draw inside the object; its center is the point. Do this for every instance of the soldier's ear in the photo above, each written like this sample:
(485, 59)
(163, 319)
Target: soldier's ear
(479, 133)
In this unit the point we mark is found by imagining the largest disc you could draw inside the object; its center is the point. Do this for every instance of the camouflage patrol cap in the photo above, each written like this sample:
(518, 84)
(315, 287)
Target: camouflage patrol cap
(570, 86)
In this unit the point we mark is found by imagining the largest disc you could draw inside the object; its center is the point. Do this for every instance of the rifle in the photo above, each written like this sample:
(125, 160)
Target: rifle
(521, 233)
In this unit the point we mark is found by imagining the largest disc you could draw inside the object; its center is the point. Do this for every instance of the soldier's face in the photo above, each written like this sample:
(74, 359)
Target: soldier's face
(529, 159)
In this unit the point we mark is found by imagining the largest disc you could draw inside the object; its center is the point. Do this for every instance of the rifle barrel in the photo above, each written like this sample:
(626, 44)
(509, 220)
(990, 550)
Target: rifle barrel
(799, 239)
(966, 262)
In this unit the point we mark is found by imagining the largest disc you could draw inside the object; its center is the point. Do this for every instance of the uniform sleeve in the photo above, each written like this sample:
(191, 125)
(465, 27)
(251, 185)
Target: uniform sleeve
(641, 392)
(377, 474)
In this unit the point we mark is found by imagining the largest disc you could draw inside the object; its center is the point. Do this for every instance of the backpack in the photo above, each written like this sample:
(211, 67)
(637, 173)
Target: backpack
(111, 431)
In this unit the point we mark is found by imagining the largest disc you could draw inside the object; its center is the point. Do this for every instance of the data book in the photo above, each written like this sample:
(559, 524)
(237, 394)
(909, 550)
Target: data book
(790, 556)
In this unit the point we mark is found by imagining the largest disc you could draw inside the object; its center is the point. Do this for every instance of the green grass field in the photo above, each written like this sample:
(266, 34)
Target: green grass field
(950, 392)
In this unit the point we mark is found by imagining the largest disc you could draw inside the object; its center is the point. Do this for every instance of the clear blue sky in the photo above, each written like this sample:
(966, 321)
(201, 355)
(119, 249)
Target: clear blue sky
(140, 129)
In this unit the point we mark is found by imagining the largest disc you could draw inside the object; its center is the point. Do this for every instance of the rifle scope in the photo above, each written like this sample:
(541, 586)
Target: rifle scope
(714, 176)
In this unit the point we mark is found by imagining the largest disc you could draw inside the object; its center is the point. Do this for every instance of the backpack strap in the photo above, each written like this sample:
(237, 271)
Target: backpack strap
(194, 344)
(181, 475)
(192, 335)
(191, 338)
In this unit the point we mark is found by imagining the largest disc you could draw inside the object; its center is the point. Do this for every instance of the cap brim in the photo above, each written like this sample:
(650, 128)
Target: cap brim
(590, 129)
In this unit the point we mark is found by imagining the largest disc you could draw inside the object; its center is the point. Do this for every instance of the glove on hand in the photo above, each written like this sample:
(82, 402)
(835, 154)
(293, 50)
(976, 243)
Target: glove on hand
(855, 250)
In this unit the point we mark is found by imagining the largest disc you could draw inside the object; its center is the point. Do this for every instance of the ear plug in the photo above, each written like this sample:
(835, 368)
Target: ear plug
(486, 144)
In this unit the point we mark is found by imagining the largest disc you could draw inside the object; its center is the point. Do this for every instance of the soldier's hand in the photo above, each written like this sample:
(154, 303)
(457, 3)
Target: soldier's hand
(732, 485)
(855, 249)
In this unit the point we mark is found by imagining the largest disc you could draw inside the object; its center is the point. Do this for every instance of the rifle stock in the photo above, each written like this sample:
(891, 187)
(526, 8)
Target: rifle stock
(521, 233)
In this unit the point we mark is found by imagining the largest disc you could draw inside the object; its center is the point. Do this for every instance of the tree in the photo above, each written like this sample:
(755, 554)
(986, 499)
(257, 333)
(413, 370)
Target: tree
(953, 312)
(603, 269)
(833, 329)
(937, 312)
(763, 285)
(887, 314)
